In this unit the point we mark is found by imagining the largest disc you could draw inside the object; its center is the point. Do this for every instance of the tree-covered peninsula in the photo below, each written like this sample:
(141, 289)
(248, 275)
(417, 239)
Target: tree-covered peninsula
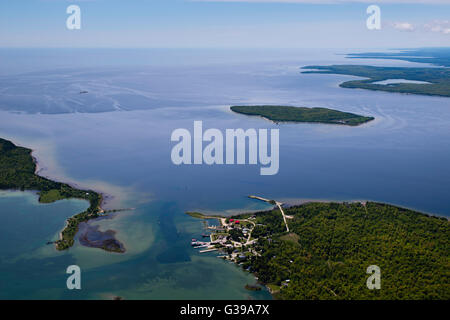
(17, 171)
(302, 114)
(322, 250)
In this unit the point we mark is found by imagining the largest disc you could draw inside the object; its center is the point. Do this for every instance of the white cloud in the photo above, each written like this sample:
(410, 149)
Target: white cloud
(439, 26)
(436, 26)
(403, 26)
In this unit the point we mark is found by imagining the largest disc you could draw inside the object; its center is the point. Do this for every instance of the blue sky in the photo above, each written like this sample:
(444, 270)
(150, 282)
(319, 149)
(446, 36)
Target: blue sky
(232, 23)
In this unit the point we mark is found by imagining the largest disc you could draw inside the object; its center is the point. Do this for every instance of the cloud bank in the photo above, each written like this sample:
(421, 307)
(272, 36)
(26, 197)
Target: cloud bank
(403, 26)
(436, 26)
(439, 26)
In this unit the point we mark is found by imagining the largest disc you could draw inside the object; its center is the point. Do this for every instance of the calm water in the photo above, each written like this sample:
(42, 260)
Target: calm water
(402, 157)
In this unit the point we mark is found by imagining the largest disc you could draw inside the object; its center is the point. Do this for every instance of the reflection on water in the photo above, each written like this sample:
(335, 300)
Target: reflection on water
(395, 81)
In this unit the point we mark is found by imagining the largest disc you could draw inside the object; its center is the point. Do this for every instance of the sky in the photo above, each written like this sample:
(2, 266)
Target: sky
(225, 24)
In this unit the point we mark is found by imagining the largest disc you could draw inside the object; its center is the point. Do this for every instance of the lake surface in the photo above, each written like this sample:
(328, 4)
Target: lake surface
(396, 81)
(402, 158)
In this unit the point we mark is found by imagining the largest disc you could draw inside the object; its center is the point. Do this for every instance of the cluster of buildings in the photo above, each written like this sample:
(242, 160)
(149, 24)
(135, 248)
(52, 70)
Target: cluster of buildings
(220, 238)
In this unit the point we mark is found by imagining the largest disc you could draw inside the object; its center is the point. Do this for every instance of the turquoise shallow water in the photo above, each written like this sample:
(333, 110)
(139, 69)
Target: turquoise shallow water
(159, 263)
(29, 267)
(27, 225)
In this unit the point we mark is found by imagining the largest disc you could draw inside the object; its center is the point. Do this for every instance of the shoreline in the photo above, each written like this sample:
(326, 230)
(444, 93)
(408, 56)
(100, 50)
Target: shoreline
(23, 175)
(103, 197)
(74, 185)
(306, 122)
(242, 251)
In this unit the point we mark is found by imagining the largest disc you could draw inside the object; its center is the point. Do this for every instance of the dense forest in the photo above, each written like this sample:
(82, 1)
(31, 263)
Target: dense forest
(17, 171)
(330, 246)
(302, 114)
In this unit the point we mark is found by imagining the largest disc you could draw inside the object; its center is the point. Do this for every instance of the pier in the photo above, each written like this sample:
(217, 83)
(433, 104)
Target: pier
(278, 204)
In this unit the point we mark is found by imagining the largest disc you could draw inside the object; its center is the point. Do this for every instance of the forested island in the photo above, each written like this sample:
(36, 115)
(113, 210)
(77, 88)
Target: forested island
(302, 114)
(17, 171)
(438, 78)
(322, 250)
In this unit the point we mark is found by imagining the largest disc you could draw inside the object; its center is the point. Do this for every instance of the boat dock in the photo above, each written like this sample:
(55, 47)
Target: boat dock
(208, 250)
(260, 198)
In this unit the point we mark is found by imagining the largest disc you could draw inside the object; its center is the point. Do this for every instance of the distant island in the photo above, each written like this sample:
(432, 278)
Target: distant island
(438, 79)
(322, 250)
(436, 56)
(17, 171)
(302, 114)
